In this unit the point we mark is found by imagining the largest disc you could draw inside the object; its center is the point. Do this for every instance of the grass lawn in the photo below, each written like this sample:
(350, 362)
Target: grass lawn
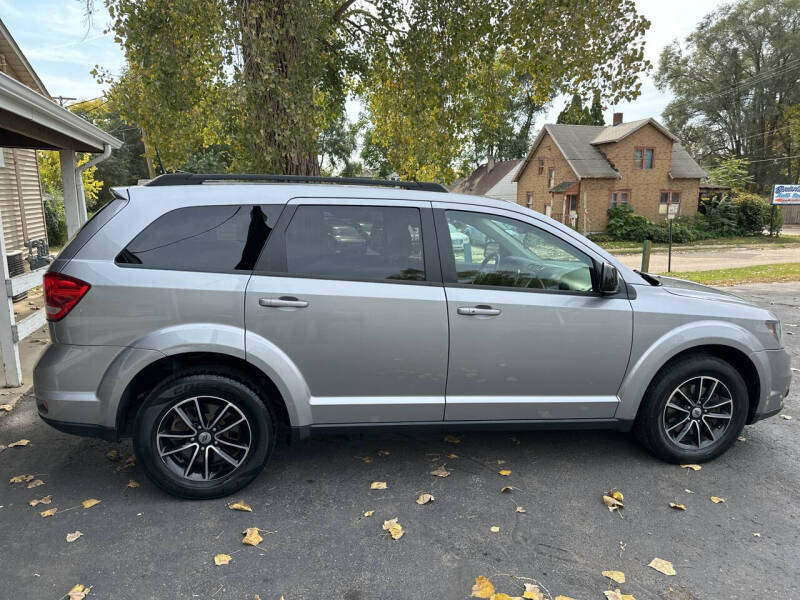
(753, 274)
(760, 240)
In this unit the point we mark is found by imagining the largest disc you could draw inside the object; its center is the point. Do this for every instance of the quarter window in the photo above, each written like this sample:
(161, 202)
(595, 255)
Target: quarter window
(514, 254)
(203, 238)
(666, 198)
(355, 242)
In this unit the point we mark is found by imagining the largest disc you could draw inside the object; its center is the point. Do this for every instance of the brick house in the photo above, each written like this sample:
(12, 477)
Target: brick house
(574, 173)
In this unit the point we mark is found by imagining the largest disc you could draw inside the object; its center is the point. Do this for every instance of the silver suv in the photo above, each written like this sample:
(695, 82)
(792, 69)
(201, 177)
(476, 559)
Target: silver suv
(202, 316)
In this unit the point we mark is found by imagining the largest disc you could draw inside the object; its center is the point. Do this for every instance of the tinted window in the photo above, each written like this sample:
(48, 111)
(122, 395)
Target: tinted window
(511, 253)
(203, 238)
(355, 242)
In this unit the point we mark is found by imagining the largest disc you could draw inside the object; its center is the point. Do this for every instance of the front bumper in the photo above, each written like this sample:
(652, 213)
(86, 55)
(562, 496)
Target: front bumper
(776, 365)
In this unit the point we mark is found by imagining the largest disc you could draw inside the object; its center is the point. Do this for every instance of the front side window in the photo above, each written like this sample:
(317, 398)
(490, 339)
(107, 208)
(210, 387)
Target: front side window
(203, 238)
(355, 242)
(515, 254)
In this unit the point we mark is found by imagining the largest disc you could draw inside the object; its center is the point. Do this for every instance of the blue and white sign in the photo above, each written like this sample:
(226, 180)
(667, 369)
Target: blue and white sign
(786, 194)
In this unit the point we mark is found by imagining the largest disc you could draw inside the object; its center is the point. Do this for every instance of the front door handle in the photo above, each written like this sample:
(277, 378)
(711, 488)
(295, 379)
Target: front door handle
(480, 309)
(283, 301)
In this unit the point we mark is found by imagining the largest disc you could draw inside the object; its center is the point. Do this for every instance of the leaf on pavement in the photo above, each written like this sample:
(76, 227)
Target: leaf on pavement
(677, 506)
(617, 595)
(615, 576)
(26, 442)
(688, 491)
(132, 484)
(483, 588)
(6, 407)
(564, 598)
(240, 505)
(71, 537)
(366, 459)
(49, 512)
(521, 510)
(78, 592)
(693, 467)
(503, 596)
(452, 455)
(369, 513)
(425, 498)
(383, 453)
(20, 478)
(784, 417)
(45, 500)
(612, 503)
(451, 439)
(252, 537)
(130, 462)
(112, 455)
(35, 483)
(494, 529)
(394, 528)
(505, 472)
(532, 592)
(506, 489)
(90, 502)
(222, 559)
(441, 472)
(616, 495)
(662, 566)
(377, 485)
(717, 500)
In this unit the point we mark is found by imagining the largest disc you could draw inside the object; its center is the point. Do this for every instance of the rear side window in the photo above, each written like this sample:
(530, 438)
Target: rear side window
(356, 242)
(203, 238)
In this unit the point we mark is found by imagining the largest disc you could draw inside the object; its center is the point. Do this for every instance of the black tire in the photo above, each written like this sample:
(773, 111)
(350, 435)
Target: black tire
(240, 399)
(652, 422)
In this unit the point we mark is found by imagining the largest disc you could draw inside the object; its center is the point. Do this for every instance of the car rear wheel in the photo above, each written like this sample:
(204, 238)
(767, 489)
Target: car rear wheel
(203, 435)
(693, 410)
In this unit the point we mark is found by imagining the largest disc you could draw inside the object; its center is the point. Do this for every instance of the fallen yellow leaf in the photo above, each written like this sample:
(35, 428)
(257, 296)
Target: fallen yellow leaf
(521, 510)
(394, 528)
(441, 472)
(451, 439)
(20, 478)
(532, 592)
(612, 503)
(677, 506)
(6, 407)
(505, 472)
(222, 559)
(617, 595)
(383, 453)
(501, 462)
(25, 443)
(483, 588)
(71, 537)
(717, 499)
(366, 459)
(563, 598)
(112, 455)
(369, 513)
(784, 417)
(252, 537)
(494, 528)
(129, 463)
(90, 502)
(505, 489)
(132, 484)
(688, 491)
(616, 576)
(35, 483)
(45, 500)
(662, 566)
(617, 495)
(756, 534)
(49, 512)
(377, 485)
(693, 467)
(78, 592)
(240, 505)
(425, 498)
(452, 455)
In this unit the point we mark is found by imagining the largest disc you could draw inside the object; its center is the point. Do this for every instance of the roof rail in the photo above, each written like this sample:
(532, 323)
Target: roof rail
(198, 179)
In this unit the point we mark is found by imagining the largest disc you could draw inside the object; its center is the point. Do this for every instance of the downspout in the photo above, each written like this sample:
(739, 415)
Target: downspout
(79, 180)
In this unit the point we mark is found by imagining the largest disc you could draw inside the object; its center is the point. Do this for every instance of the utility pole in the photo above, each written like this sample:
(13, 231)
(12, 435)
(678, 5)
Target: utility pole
(62, 99)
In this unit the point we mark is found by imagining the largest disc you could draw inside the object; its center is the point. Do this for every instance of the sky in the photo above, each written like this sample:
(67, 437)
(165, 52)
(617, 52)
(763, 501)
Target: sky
(63, 50)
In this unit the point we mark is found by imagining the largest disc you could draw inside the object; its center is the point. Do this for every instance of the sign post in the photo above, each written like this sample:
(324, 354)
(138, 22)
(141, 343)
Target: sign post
(672, 212)
(783, 195)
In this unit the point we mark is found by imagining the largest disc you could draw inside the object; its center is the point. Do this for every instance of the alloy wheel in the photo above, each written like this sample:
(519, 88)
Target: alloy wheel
(698, 413)
(203, 438)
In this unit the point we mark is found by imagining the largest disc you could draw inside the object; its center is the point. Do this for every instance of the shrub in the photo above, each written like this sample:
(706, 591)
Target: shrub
(717, 218)
(751, 211)
(55, 220)
(624, 224)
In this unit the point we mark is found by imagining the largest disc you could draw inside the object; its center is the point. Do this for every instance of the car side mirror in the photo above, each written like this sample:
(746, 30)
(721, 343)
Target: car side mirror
(609, 279)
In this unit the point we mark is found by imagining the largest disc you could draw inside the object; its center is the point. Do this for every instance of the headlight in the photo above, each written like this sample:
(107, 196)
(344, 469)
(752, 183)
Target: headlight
(775, 329)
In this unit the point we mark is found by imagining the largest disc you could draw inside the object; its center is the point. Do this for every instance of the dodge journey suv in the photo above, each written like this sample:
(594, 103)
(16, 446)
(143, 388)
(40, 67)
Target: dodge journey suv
(202, 315)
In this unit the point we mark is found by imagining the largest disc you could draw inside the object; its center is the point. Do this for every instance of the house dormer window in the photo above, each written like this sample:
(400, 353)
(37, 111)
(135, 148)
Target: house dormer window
(644, 158)
(541, 166)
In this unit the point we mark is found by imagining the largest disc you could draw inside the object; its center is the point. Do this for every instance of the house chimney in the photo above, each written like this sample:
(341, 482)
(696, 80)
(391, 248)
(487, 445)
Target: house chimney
(617, 119)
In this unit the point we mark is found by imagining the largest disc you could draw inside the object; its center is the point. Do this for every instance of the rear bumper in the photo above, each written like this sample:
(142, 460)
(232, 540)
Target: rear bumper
(82, 429)
(776, 365)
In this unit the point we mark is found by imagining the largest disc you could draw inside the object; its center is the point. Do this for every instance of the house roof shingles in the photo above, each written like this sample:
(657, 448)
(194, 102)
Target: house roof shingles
(581, 147)
(480, 182)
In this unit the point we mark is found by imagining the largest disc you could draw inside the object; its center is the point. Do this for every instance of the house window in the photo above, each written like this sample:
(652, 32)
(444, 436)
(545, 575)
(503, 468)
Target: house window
(551, 178)
(573, 202)
(529, 199)
(618, 198)
(668, 196)
(541, 166)
(644, 158)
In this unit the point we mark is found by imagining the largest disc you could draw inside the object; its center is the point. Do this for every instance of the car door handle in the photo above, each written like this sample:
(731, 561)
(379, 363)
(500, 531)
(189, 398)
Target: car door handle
(288, 301)
(480, 309)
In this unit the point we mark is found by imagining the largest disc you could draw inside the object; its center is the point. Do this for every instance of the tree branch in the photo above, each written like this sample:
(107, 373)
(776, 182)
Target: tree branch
(339, 13)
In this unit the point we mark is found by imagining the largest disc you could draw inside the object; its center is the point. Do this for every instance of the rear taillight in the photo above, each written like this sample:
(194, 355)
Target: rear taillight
(61, 294)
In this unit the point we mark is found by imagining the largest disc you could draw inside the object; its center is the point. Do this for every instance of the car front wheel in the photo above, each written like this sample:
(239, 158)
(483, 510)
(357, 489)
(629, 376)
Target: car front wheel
(203, 435)
(693, 410)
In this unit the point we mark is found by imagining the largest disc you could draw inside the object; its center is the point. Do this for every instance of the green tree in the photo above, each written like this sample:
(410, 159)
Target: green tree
(733, 172)
(732, 83)
(596, 111)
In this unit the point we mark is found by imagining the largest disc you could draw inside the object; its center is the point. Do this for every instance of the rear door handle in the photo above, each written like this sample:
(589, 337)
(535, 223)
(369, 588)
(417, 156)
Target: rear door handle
(480, 309)
(288, 301)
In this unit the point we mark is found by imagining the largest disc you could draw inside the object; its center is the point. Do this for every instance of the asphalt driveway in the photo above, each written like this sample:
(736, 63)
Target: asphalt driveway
(310, 501)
